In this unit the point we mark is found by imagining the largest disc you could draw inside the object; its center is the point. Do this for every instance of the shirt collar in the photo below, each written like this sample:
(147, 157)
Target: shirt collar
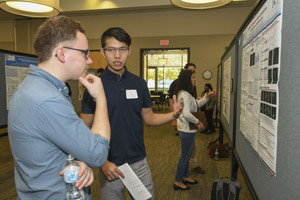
(61, 86)
(113, 75)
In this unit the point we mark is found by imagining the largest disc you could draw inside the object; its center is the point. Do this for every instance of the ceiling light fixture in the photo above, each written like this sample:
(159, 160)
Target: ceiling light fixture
(31, 8)
(200, 4)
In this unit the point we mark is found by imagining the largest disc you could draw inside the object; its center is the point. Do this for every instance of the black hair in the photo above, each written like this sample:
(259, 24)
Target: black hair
(117, 33)
(185, 82)
(100, 70)
(189, 64)
(208, 85)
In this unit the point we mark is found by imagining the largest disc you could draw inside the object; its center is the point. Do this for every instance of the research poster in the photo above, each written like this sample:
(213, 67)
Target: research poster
(16, 69)
(260, 79)
(226, 79)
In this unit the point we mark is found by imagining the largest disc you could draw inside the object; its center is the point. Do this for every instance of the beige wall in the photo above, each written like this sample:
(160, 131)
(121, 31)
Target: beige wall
(168, 23)
(206, 33)
(205, 52)
(7, 35)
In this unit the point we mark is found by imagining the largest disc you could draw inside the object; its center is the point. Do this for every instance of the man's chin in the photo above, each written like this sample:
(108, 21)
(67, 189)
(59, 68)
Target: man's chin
(83, 75)
(117, 68)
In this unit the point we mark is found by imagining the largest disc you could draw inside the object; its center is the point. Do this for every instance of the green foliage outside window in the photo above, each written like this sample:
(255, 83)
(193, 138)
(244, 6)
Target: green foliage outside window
(167, 66)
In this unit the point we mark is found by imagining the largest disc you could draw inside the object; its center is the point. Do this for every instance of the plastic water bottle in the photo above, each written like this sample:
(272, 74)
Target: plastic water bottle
(216, 155)
(71, 176)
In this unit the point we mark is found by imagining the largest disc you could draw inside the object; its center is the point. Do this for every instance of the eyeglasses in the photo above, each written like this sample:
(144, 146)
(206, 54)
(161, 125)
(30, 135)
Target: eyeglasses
(114, 50)
(85, 52)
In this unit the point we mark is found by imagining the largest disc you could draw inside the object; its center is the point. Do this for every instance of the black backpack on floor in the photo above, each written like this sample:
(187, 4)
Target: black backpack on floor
(225, 190)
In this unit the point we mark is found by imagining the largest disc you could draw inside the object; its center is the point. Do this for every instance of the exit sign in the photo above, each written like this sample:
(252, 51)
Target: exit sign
(164, 42)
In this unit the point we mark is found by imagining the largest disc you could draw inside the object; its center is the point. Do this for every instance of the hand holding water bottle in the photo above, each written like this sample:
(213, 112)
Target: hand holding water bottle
(70, 172)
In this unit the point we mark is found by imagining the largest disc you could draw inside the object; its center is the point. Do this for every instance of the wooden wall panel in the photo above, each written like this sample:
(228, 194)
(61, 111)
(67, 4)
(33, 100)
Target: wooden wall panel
(98, 60)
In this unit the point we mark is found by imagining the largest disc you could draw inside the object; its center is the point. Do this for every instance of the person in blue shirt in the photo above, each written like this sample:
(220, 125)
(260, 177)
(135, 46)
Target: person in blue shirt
(129, 106)
(43, 127)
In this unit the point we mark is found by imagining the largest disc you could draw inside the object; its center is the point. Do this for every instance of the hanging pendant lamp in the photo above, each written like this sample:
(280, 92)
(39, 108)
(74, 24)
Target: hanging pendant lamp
(31, 8)
(200, 4)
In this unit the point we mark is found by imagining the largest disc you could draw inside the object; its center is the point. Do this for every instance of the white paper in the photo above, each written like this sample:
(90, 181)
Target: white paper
(226, 89)
(133, 183)
(260, 81)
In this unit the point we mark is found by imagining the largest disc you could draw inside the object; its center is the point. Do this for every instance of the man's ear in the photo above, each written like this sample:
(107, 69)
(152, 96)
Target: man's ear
(129, 50)
(59, 53)
(102, 52)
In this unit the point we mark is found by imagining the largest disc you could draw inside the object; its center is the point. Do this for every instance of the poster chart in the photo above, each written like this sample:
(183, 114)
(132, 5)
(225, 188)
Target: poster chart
(16, 69)
(226, 89)
(259, 81)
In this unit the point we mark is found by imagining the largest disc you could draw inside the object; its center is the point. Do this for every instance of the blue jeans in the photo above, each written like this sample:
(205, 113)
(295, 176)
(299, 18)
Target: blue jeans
(187, 143)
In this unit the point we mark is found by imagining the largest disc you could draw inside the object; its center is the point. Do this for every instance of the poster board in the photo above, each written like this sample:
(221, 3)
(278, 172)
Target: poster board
(14, 67)
(219, 94)
(280, 179)
(228, 64)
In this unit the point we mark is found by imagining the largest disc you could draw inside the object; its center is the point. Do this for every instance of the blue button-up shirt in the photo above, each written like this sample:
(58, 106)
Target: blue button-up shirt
(43, 128)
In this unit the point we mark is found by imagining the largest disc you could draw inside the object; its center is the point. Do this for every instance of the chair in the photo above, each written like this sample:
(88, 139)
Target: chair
(162, 101)
(154, 98)
(152, 92)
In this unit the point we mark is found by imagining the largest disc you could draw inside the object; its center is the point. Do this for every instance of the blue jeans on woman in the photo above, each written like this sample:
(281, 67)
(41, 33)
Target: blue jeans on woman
(187, 143)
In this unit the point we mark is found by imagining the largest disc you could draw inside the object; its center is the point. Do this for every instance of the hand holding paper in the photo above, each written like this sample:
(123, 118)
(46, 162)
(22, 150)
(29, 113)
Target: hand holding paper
(134, 184)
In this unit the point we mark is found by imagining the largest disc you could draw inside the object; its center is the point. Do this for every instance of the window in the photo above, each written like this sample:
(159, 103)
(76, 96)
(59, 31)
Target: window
(162, 67)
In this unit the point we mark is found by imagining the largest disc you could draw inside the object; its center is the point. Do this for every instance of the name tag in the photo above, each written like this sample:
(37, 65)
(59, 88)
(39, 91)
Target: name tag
(131, 94)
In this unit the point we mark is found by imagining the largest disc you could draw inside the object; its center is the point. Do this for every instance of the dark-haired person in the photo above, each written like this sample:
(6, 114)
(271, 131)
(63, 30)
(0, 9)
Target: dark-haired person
(193, 160)
(43, 127)
(185, 90)
(129, 105)
(208, 109)
(188, 66)
(99, 71)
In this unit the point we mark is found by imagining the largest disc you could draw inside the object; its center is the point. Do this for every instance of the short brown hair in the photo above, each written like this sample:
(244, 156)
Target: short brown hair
(52, 32)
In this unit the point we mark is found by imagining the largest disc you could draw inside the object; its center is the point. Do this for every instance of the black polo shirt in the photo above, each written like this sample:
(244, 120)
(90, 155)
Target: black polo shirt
(126, 96)
(172, 88)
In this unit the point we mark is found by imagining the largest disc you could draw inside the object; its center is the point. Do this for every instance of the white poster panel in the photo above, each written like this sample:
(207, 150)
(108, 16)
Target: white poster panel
(226, 89)
(259, 83)
(16, 69)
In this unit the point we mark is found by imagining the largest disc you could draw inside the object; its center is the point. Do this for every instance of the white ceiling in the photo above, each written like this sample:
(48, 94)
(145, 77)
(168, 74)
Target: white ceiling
(88, 7)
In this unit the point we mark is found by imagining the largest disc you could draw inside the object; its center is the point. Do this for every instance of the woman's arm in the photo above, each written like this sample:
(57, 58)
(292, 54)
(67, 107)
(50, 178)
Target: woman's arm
(186, 111)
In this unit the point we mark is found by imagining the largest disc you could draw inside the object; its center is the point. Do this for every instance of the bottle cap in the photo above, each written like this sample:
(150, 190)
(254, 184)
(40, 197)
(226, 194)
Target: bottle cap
(70, 157)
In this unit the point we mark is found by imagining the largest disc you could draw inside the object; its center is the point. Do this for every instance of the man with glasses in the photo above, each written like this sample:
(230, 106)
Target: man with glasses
(43, 127)
(85, 52)
(129, 105)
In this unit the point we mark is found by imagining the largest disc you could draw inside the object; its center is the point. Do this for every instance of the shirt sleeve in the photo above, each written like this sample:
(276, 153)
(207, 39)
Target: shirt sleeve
(186, 111)
(147, 103)
(201, 102)
(67, 131)
(88, 105)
